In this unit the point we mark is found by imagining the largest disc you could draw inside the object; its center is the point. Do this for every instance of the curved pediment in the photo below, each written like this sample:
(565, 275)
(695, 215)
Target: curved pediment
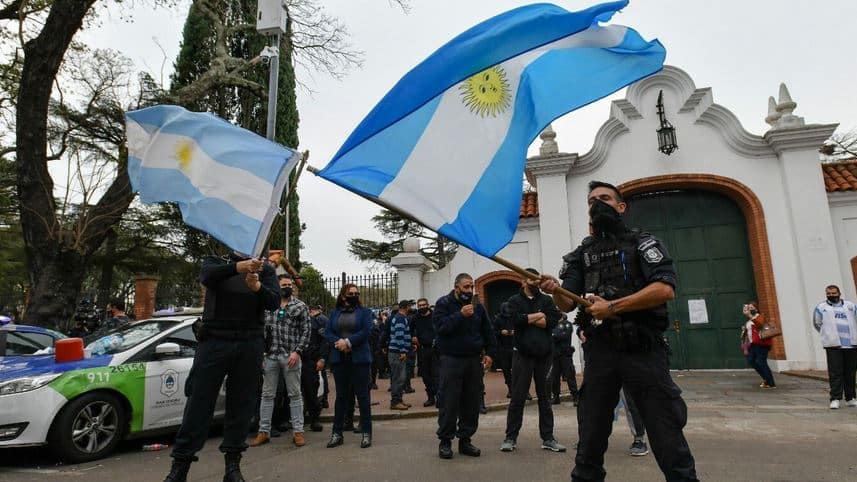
(680, 88)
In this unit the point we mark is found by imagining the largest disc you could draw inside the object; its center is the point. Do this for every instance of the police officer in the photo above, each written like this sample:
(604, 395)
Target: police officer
(630, 277)
(504, 330)
(464, 333)
(314, 361)
(231, 344)
(563, 360)
(424, 337)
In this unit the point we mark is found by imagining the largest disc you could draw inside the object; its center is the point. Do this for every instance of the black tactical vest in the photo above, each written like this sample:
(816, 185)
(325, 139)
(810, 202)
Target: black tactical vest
(611, 266)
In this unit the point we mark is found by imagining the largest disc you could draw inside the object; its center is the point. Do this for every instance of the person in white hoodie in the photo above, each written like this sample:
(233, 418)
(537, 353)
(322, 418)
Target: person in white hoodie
(836, 320)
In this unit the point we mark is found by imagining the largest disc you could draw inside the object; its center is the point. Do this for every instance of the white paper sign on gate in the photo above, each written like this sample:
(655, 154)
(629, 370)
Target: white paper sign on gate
(698, 312)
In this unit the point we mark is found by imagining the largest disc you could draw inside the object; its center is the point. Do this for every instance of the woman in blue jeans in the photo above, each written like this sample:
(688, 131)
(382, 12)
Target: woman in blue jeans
(757, 356)
(350, 359)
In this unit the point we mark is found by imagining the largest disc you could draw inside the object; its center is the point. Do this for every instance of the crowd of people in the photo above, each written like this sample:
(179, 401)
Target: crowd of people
(275, 351)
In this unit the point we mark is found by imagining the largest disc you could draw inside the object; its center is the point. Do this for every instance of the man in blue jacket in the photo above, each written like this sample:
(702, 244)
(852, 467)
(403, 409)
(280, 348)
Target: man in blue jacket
(465, 341)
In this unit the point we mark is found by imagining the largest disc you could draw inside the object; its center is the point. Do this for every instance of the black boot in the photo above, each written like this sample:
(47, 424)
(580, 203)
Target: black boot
(233, 467)
(315, 425)
(444, 450)
(467, 448)
(179, 470)
(482, 408)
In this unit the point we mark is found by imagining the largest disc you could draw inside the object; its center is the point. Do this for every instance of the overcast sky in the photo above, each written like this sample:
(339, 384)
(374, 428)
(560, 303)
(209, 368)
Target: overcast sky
(742, 49)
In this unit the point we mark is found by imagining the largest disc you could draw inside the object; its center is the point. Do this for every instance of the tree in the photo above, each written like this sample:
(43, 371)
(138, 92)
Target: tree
(313, 290)
(395, 229)
(61, 237)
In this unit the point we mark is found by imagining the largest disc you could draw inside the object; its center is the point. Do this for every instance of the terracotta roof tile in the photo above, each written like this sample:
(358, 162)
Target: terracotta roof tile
(840, 176)
(529, 205)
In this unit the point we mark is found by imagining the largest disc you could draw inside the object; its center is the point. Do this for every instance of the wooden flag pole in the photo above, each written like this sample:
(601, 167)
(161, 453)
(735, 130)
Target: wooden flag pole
(497, 259)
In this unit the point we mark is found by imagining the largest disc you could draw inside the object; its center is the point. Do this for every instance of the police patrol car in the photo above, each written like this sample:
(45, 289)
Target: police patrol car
(131, 385)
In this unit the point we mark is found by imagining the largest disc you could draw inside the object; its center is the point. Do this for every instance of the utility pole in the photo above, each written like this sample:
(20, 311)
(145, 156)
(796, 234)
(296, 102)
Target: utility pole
(271, 20)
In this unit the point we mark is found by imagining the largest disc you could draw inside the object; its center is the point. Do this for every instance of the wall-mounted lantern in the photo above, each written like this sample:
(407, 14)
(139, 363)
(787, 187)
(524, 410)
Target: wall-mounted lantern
(666, 133)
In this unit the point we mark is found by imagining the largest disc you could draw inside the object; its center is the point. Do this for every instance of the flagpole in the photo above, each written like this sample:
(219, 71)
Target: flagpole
(497, 259)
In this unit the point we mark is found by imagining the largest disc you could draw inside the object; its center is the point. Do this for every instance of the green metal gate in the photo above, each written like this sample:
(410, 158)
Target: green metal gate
(706, 235)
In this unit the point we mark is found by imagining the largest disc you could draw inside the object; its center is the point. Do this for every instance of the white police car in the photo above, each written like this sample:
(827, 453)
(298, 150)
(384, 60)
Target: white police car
(132, 385)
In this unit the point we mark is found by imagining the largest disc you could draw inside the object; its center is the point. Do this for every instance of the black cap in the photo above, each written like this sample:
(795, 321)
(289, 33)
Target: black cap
(405, 303)
(532, 270)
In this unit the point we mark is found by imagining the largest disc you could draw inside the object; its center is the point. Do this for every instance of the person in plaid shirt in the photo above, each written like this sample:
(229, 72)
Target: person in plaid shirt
(287, 336)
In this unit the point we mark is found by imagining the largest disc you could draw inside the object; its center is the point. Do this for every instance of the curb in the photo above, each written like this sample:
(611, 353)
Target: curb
(405, 415)
(810, 376)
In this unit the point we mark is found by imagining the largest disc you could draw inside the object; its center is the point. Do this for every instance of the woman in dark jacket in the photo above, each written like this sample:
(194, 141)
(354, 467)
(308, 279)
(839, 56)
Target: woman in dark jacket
(350, 358)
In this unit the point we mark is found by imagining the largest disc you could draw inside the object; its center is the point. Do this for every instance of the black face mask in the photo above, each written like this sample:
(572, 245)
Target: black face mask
(423, 311)
(604, 218)
(833, 299)
(352, 300)
(534, 289)
(286, 292)
(465, 297)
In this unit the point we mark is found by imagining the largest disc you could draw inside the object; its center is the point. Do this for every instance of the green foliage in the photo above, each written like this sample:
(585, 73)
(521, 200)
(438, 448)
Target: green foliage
(313, 291)
(13, 273)
(396, 229)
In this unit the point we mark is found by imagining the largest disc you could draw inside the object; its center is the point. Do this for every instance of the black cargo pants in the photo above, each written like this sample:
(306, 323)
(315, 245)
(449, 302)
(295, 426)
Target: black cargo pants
(646, 377)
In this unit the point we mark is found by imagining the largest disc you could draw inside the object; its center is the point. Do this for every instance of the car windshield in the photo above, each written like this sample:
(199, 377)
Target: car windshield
(128, 337)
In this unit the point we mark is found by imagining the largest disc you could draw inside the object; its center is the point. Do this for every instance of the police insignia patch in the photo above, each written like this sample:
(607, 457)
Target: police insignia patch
(653, 254)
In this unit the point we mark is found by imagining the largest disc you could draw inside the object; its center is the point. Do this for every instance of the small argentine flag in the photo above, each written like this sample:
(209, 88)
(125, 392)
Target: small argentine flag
(447, 144)
(227, 180)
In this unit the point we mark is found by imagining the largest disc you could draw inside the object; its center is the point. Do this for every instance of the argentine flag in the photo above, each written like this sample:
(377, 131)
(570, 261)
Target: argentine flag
(447, 145)
(227, 180)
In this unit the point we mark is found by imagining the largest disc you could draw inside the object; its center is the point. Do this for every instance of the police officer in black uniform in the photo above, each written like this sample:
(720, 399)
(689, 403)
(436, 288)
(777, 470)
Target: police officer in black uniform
(563, 360)
(504, 330)
(630, 277)
(314, 361)
(231, 345)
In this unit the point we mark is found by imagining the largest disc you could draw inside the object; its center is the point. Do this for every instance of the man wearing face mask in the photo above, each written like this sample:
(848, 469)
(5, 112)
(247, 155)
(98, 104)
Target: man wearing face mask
(836, 320)
(287, 336)
(424, 336)
(534, 316)
(464, 334)
(630, 277)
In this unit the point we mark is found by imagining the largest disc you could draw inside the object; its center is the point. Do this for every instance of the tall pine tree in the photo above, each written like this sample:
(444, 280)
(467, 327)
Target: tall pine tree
(239, 105)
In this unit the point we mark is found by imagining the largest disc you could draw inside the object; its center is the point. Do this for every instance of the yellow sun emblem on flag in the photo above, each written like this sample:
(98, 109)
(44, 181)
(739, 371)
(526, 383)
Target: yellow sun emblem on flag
(184, 154)
(487, 93)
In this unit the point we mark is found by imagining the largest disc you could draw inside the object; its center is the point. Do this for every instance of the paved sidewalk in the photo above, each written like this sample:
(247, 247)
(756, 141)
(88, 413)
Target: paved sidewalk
(495, 398)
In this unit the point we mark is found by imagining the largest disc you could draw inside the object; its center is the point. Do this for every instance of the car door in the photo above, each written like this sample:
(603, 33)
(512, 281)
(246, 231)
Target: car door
(164, 392)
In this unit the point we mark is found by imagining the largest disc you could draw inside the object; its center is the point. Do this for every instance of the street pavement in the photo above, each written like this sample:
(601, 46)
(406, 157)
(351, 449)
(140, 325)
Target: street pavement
(737, 432)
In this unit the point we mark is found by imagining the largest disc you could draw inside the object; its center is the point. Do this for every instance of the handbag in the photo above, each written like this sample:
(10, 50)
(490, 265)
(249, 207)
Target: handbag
(769, 330)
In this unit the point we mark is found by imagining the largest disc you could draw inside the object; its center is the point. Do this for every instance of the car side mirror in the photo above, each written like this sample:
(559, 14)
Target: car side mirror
(168, 349)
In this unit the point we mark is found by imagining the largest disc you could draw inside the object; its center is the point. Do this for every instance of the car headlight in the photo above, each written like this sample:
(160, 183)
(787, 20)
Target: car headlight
(25, 384)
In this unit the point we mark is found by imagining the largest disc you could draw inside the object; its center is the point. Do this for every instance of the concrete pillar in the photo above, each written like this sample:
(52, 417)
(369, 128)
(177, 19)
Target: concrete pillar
(145, 287)
(410, 265)
(548, 175)
(812, 234)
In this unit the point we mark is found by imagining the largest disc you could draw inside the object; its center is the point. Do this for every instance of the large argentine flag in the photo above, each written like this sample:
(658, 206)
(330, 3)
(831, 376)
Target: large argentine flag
(226, 180)
(447, 144)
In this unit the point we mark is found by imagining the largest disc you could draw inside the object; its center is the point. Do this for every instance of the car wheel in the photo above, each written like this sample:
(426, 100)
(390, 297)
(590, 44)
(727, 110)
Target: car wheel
(88, 428)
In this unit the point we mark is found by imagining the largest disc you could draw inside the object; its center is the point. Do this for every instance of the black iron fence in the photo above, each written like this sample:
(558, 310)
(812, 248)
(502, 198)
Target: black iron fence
(376, 290)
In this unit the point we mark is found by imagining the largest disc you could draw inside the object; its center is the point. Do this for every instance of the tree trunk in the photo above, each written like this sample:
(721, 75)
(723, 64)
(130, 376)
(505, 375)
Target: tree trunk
(53, 298)
(53, 289)
(107, 268)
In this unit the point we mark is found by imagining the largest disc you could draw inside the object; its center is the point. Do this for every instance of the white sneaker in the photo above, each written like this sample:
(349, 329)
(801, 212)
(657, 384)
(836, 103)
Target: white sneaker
(834, 404)
(851, 403)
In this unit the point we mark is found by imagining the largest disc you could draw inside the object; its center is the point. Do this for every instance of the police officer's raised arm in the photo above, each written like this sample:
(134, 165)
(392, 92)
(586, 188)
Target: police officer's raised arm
(571, 276)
